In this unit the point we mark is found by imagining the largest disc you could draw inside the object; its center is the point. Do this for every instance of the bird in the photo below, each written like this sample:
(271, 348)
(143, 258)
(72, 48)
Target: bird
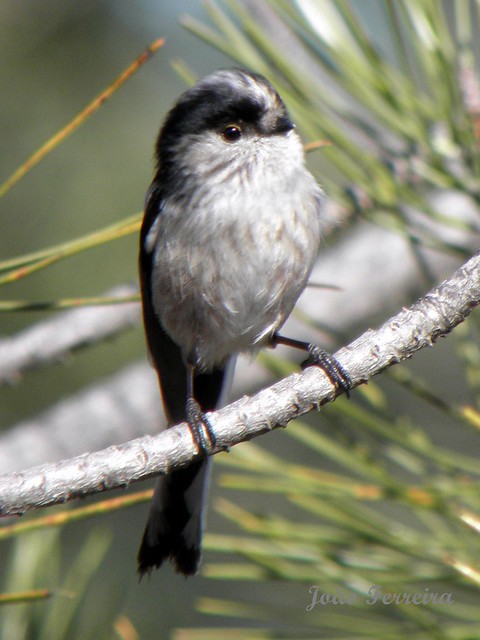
(231, 230)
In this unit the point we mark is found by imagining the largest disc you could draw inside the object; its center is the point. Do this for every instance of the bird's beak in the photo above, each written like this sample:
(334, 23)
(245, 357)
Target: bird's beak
(283, 124)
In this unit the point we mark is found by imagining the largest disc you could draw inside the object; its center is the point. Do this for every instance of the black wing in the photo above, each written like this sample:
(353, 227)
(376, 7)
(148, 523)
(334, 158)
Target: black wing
(175, 523)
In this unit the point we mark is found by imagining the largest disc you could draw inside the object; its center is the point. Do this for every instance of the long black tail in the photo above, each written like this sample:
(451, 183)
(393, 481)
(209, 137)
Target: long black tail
(176, 520)
(175, 523)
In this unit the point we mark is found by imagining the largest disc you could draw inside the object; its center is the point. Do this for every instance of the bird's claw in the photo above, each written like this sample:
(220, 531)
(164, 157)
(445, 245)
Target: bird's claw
(330, 365)
(200, 427)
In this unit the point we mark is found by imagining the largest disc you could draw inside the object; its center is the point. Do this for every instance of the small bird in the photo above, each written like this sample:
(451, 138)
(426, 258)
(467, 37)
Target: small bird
(231, 230)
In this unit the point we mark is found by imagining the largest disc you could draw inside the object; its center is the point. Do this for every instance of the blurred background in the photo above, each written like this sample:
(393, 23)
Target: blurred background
(56, 57)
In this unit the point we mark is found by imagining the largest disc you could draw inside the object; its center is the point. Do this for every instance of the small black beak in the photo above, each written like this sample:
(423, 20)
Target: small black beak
(283, 124)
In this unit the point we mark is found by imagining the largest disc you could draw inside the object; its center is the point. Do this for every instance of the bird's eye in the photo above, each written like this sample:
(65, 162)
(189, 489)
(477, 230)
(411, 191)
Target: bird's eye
(232, 133)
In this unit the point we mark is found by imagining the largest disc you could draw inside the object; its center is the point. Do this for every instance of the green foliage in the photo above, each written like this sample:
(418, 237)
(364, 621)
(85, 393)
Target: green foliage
(36, 563)
(399, 126)
(382, 502)
(371, 495)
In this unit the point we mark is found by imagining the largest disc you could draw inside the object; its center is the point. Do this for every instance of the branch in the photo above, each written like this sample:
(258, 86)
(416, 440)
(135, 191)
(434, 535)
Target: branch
(125, 406)
(57, 433)
(53, 339)
(433, 316)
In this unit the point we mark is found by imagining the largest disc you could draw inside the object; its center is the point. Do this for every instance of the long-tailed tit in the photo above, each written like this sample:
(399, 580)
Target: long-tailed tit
(231, 230)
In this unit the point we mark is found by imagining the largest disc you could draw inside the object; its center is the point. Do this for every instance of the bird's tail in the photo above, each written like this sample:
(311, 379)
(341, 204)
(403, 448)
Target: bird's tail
(176, 520)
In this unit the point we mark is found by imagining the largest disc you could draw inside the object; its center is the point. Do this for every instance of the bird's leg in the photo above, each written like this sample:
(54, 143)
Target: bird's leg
(319, 358)
(200, 426)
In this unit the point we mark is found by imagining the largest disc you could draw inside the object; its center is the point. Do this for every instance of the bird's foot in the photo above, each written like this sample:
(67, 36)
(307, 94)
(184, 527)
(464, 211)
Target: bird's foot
(319, 358)
(200, 427)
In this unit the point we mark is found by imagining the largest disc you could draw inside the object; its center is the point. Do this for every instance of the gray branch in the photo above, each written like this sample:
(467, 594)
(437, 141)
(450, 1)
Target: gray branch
(386, 276)
(52, 340)
(434, 315)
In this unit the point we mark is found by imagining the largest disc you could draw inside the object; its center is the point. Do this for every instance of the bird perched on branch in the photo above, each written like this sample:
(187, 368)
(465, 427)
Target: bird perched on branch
(231, 230)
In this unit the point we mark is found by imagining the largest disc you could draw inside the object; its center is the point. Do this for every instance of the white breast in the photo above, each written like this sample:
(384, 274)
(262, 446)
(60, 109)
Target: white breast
(231, 260)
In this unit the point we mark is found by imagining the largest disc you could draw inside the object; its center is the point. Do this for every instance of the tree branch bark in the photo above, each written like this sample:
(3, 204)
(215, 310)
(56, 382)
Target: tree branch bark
(433, 316)
(126, 405)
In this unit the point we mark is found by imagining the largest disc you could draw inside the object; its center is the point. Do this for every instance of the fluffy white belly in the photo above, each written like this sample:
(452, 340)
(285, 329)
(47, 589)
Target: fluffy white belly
(224, 288)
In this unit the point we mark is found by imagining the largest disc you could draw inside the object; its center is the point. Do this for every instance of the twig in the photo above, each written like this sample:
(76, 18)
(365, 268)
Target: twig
(433, 316)
(80, 118)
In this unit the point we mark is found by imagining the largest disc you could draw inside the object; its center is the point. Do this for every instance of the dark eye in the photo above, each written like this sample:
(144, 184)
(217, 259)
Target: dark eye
(232, 133)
